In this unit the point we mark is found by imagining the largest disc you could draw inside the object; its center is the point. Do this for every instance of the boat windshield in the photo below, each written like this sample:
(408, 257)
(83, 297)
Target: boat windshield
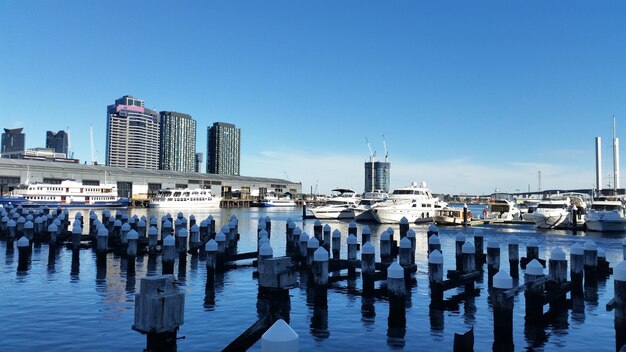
(606, 207)
(552, 206)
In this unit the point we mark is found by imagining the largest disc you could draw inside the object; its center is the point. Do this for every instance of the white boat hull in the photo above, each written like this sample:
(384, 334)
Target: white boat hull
(185, 205)
(384, 215)
(330, 214)
(606, 225)
(552, 220)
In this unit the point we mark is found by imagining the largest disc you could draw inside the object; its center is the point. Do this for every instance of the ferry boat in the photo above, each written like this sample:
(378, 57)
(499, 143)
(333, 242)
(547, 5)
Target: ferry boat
(414, 202)
(606, 215)
(339, 206)
(271, 200)
(69, 193)
(451, 216)
(185, 198)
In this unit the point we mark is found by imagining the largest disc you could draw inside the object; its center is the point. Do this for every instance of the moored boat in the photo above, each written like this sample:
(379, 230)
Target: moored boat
(606, 215)
(414, 202)
(451, 216)
(363, 211)
(340, 206)
(271, 200)
(185, 198)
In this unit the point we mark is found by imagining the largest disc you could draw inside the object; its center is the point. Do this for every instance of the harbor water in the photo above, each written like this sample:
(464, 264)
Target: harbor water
(59, 305)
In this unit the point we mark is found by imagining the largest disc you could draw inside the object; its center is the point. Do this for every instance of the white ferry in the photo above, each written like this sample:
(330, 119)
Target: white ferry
(69, 193)
(185, 198)
(271, 200)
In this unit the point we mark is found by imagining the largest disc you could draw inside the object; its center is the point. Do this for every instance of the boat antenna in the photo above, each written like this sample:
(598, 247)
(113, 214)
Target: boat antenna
(615, 159)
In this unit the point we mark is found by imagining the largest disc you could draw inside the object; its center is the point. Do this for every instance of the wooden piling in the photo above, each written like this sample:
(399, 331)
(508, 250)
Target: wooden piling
(304, 242)
(590, 253)
(336, 244)
(181, 241)
(265, 252)
(352, 243)
(317, 231)
(407, 256)
(11, 229)
(435, 277)
(153, 235)
(577, 265)
(297, 232)
(366, 234)
(432, 230)
(493, 259)
(479, 247)
(619, 289)
(211, 262)
(23, 249)
(77, 232)
(410, 234)
(468, 255)
(433, 244)
(319, 270)
(169, 254)
(327, 237)
(533, 294)
(385, 247)
(220, 238)
(532, 251)
(502, 312)
(514, 257)
(396, 288)
(312, 245)
(458, 246)
(280, 338)
(404, 227)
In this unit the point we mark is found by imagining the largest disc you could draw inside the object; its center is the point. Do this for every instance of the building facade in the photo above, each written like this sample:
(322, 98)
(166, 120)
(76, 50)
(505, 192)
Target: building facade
(377, 176)
(223, 149)
(13, 141)
(57, 141)
(132, 135)
(178, 142)
(198, 162)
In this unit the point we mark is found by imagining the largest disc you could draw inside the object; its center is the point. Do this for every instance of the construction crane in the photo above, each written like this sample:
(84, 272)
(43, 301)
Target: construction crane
(372, 154)
(385, 145)
(70, 150)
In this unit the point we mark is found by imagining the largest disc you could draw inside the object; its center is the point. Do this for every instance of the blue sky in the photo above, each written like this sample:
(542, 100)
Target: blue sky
(470, 96)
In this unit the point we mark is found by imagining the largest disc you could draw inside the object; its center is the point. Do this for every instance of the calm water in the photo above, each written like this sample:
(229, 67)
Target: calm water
(50, 307)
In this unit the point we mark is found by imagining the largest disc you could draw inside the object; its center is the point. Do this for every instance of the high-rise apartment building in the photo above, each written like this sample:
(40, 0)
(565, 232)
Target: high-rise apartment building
(13, 141)
(57, 141)
(132, 135)
(178, 142)
(198, 163)
(377, 176)
(223, 149)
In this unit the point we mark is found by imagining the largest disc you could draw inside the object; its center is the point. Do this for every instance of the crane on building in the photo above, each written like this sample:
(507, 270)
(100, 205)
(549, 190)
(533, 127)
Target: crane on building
(385, 145)
(372, 154)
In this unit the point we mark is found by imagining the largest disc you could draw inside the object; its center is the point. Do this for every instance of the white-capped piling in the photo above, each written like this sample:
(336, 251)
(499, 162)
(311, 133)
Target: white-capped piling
(404, 227)
(385, 247)
(262, 236)
(4, 231)
(533, 293)
(366, 234)
(433, 244)
(29, 229)
(77, 232)
(184, 222)
(459, 241)
(319, 265)
(468, 254)
(38, 229)
(19, 226)
(317, 231)
(233, 226)
(352, 253)
(296, 242)
(619, 289)
(435, 268)
(479, 247)
(53, 230)
(204, 231)
(352, 229)
(102, 245)
(23, 248)
(211, 260)
(220, 238)
(116, 231)
(11, 230)
(211, 222)
(312, 245)
(603, 264)
(493, 257)
(141, 229)
(557, 265)
(432, 230)
(169, 254)
(513, 248)
(132, 222)
(502, 312)
(407, 256)
(229, 237)
(181, 241)
(327, 237)
(265, 252)
(590, 252)
(124, 234)
(303, 244)
(153, 235)
(280, 337)
(396, 287)
(368, 259)
(133, 238)
(290, 227)
(336, 244)
(177, 225)
(166, 229)
(410, 234)
(532, 250)
(194, 238)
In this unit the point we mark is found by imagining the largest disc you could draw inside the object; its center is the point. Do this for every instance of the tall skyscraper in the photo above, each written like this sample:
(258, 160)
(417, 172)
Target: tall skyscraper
(198, 162)
(57, 141)
(132, 135)
(13, 141)
(223, 149)
(178, 142)
(377, 176)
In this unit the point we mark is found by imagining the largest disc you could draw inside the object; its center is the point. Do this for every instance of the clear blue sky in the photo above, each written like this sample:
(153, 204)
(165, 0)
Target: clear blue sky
(470, 95)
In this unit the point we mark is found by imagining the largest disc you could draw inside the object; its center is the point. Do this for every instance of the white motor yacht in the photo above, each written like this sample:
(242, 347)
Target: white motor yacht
(340, 206)
(415, 202)
(606, 215)
(502, 209)
(561, 211)
(185, 198)
(363, 212)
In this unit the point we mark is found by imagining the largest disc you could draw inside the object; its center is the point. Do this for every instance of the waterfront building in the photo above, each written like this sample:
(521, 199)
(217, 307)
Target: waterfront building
(13, 141)
(223, 149)
(178, 142)
(198, 162)
(57, 141)
(377, 176)
(132, 135)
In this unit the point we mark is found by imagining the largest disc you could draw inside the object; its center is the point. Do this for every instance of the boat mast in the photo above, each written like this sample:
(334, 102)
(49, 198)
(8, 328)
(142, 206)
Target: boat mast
(615, 159)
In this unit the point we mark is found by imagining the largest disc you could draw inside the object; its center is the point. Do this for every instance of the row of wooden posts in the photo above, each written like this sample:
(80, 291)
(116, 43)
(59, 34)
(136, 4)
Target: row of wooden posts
(311, 257)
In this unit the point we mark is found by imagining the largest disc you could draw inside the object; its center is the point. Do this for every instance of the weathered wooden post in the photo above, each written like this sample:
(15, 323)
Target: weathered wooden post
(211, 221)
(77, 232)
(304, 242)
(619, 289)
(459, 242)
(532, 251)
(19, 227)
(141, 229)
(327, 237)
(211, 262)
(603, 264)
(368, 266)
(468, 253)
(166, 229)
(194, 239)
(204, 231)
(320, 274)
(233, 226)
(433, 244)
(23, 249)
(366, 234)
(280, 338)
(296, 242)
(352, 254)
(557, 269)
(493, 259)
(336, 244)
(178, 224)
(533, 294)
(396, 290)
(102, 246)
(435, 277)
(131, 251)
(406, 256)
(404, 227)
(29, 228)
(317, 231)
(169, 254)
(4, 231)
(159, 311)
(265, 252)
(577, 264)
(289, 242)
(514, 257)
(385, 247)
(410, 234)
(220, 238)
(480, 251)
(192, 220)
(181, 245)
(432, 230)
(502, 312)
(54, 231)
(312, 246)
(153, 235)
(623, 247)
(11, 230)
(591, 263)
(124, 236)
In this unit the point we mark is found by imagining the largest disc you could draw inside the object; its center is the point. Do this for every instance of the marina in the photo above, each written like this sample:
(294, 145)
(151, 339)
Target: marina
(63, 289)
